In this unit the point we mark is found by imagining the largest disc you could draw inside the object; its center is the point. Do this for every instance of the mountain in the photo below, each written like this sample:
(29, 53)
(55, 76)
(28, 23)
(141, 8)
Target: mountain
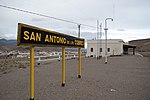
(7, 45)
(8, 42)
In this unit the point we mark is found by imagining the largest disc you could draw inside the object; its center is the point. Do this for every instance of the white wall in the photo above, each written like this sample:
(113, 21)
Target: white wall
(115, 45)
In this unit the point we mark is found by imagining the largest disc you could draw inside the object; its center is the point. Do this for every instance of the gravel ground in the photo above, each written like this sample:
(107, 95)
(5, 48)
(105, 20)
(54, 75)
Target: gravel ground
(123, 78)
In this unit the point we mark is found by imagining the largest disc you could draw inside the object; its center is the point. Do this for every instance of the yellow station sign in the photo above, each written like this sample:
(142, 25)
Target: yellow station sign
(30, 35)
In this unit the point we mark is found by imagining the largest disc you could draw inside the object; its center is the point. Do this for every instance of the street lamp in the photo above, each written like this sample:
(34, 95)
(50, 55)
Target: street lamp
(106, 38)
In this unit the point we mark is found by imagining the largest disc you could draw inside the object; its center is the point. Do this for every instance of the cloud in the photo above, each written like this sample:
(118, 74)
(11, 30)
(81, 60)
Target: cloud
(129, 15)
(38, 19)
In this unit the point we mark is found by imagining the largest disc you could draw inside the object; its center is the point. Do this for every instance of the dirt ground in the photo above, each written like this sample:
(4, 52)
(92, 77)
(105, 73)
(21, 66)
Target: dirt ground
(7, 63)
(123, 78)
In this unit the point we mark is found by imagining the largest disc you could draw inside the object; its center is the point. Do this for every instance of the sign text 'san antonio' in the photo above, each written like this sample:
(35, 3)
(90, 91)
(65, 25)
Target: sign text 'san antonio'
(29, 35)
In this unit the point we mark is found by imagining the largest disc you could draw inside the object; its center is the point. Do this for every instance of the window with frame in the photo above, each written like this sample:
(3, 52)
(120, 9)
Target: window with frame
(108, 49)
(91, 49)
(100, 50)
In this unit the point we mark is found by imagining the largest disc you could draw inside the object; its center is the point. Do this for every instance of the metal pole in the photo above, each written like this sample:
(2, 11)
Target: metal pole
(79, 54)
(106, 38)
(79, 62)
(63, 66)
(79, 26)
(97, 39)
(106, 41)
(31, 73)
(100, 38)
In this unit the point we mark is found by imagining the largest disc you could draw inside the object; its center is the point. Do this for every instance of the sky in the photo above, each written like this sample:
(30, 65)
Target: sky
(131, 17)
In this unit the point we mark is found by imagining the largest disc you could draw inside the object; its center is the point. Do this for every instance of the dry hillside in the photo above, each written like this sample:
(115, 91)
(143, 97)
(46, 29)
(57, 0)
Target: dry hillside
(143, 45)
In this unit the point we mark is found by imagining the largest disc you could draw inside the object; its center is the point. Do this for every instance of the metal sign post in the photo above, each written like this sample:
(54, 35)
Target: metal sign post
(79, 62)
(63, 66)
(31, 73)
(79, 54)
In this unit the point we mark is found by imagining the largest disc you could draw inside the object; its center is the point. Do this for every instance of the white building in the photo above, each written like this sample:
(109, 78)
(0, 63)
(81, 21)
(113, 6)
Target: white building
(96, 48)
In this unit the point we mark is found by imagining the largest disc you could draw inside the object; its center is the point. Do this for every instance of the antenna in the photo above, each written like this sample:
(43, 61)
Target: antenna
(113, 16)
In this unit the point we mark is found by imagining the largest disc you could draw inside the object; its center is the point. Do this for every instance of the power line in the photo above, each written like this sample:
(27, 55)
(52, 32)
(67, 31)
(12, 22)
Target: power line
(34, 13)
(17, 9)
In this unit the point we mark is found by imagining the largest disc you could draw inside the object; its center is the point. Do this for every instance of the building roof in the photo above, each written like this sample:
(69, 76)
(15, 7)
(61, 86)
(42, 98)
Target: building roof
(108, 41)
(129, 45)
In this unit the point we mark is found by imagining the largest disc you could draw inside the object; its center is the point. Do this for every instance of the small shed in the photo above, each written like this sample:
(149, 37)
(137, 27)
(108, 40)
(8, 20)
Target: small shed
(126, 48)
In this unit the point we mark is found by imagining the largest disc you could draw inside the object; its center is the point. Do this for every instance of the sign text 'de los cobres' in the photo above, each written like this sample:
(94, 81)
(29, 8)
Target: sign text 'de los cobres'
(30, 35)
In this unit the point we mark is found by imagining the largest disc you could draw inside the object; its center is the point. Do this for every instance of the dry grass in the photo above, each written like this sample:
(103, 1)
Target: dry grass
(7, 63)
